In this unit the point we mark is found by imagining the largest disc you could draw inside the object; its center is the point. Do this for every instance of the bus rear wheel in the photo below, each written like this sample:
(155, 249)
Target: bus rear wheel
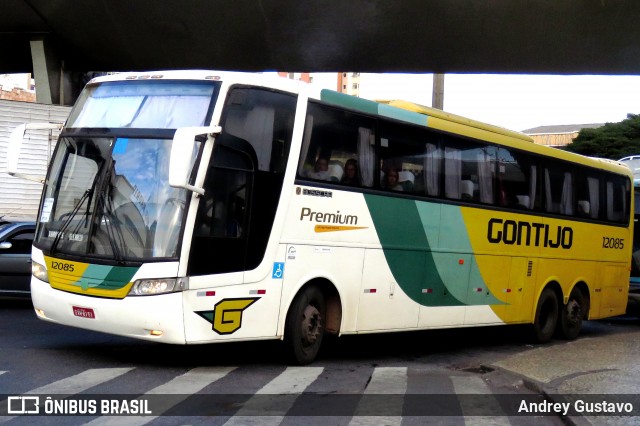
(304, 327)
(546, 319)
(573, 312)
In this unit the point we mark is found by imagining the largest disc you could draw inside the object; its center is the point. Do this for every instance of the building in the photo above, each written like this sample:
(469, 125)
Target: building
(17, 87)
(349, 83)
(559, 135)
(303, 76)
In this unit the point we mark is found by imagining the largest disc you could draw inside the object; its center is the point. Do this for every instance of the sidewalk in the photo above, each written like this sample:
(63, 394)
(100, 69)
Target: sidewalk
(589, 365)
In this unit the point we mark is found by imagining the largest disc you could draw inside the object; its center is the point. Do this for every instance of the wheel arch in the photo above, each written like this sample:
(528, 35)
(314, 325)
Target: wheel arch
(333, 303)
(557, 289)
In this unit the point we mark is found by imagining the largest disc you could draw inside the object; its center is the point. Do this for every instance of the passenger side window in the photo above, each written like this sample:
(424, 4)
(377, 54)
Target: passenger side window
(338, 146)
(558, 189)
(469, 169)
(588, 193)
(409, 159)
(516, 180)
(617, 196)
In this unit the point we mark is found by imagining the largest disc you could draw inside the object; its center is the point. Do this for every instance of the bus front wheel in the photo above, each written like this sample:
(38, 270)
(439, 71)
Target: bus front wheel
(304, 327)
(570, 322)
(546, 319)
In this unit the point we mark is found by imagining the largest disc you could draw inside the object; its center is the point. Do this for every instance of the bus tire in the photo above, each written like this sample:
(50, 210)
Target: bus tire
(546, 319)
(570, 322)
(304, 327)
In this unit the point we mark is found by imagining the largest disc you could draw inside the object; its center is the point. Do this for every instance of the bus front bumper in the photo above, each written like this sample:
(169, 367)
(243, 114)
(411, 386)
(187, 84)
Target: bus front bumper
(159, 318)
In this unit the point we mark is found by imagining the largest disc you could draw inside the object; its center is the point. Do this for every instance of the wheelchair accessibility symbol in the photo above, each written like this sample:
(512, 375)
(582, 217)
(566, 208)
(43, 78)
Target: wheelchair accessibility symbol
(278, 270)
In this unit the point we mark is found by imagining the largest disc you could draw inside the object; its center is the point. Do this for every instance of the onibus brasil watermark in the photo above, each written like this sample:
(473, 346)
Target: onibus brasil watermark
(36, 405)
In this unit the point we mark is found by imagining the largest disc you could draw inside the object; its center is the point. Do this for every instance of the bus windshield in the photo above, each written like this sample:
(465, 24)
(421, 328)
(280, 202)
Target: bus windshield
(107, 193)
(110, 198)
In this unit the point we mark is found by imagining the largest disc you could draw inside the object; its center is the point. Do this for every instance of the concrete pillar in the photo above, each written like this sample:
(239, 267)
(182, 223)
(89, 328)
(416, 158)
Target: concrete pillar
(54, 85)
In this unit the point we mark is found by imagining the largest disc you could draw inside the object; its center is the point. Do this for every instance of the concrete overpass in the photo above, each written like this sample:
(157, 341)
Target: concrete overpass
(63, 41)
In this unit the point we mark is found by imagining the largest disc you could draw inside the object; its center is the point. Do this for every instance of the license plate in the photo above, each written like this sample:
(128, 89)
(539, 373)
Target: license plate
(83, 312)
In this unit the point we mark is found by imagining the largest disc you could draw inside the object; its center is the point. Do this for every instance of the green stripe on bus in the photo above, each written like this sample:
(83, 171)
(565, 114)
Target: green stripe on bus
(408, 230)
(402, 114)
(407, 251)
(106, 277)
(347, 101)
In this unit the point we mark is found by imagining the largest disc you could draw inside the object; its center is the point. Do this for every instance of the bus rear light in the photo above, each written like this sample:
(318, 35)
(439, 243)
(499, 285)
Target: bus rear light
(257, 291)
(206, 293)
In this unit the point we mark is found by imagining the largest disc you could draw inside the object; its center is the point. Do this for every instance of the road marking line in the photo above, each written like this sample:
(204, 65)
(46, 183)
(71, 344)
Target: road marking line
(471, 385)
(174, 391)
(81, 382)
(384, 381)
(292, 381)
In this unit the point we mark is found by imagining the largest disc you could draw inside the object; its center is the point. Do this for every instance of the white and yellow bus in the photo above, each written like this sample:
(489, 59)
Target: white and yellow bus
(201, 207)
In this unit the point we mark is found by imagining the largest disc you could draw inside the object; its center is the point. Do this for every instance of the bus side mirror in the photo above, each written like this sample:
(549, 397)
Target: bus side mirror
(182, 155)
(15, 143)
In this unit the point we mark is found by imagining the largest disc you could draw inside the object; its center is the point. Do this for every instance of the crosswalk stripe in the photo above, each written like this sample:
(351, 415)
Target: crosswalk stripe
(293, 381)
(80, 382)
(384, 381)
(472, 385)
(176, 390)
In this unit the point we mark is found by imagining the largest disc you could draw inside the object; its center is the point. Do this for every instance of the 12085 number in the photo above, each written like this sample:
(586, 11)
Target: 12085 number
(613, 243)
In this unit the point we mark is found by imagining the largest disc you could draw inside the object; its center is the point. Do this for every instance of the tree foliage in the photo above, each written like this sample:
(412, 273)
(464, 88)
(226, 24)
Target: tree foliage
(613, 140)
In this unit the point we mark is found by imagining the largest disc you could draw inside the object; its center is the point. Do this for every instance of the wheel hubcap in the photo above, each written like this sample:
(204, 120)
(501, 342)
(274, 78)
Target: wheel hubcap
(311, 325)
(574, 311)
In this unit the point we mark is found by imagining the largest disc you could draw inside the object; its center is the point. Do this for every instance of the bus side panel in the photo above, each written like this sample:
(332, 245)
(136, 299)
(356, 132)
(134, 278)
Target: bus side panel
(383, 304)
(612, 291)
(228, 309)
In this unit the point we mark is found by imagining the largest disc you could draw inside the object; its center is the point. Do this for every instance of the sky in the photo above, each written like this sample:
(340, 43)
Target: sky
(516, 102)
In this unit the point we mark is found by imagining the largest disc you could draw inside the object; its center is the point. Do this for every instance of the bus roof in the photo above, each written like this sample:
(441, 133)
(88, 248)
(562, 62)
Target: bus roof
(434, 112)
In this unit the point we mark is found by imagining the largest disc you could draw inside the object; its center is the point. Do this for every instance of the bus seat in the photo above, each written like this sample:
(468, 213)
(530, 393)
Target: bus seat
(406, 179)
(584, 208)
(335, 171)
(523, 201)
(466, 190)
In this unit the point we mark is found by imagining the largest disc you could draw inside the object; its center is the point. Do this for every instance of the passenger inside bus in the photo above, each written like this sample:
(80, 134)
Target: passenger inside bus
(320, 170)
(391, 180)
(350, 176)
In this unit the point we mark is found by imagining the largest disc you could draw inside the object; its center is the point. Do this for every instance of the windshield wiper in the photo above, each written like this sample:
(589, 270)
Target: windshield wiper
(114, 233)
(70, 218)
(88, 194)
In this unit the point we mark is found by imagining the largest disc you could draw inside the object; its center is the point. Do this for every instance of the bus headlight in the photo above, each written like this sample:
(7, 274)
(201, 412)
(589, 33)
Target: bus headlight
(39, 271)
(158, 286)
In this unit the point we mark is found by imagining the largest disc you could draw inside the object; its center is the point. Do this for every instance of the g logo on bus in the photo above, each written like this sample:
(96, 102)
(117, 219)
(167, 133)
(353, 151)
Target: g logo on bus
(226, 316)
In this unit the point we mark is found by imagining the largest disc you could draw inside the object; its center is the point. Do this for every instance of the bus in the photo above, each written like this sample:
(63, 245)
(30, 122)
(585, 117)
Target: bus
(195, 207)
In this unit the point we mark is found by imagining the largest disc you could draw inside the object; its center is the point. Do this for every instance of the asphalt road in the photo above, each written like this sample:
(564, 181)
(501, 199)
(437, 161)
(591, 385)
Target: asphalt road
(458, 368)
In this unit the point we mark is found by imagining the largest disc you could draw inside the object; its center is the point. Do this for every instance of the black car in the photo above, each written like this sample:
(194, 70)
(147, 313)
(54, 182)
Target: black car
(16, 239)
